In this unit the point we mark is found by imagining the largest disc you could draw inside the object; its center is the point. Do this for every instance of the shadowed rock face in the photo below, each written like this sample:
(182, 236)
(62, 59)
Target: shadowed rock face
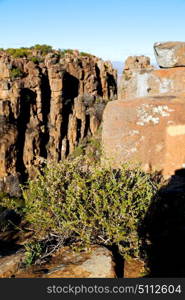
(47, 108)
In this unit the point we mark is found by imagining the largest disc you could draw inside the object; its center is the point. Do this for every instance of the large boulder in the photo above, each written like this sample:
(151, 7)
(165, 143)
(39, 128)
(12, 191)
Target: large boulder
(170, 54)
(150, 131)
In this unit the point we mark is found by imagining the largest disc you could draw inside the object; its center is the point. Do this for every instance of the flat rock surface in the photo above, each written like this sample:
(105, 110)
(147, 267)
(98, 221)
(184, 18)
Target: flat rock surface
(9, 265)
(150, 131)
(98, 263)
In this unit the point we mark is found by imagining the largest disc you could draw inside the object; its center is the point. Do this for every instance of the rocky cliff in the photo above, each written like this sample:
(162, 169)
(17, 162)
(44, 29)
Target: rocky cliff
(47, 105)
(147, 124)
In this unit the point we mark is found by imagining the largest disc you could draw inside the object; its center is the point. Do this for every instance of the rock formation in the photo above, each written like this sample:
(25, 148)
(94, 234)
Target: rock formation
(47, 107)
(138, 81)
(147, 123)
(148, 130)
(170, 54)
(97, 263)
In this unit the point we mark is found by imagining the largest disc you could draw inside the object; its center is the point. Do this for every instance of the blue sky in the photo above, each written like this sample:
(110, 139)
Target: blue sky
(111, 29)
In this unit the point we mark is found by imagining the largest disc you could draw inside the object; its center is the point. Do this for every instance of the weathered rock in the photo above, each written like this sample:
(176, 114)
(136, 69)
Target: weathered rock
(137, 63)
(150, 82)
(45, 108)
(134, 65)
(170, 54)
(98, 263)
(147, 130)
(9, 265)
(134, 268)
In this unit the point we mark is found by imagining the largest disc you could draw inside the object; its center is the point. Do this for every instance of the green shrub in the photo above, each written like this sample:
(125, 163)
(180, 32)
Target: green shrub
(87, 205)
(43, 49)
(94, 149)
(62, 52)
(9, 202)
(86, 54)
(35, 59)
(79, 150)
(18, 52)
(33, 251)
(16, 73)
(13, 204)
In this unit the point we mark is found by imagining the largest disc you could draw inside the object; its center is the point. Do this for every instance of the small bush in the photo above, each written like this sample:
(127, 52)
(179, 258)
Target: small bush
(13, 203)
(18, 52)
(35, 59)
(62, 52)
(33, 251)
(86, 54)
(79, 150)
(92, 205)
(10, 211)
(16, 73)
(43, 49)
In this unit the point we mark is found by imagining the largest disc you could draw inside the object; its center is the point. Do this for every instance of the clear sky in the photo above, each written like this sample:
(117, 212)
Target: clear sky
(111, 29)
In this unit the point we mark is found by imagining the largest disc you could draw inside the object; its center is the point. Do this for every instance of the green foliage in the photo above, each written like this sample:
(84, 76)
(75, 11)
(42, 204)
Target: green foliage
(88, 205)
(62, 52)
(33, 251)
(94, 149)
(79, 150)
(18, 52)
(86, 54)
(27, 52)
(13, 203)
(16, 72)
(43, 49)
(35, 59)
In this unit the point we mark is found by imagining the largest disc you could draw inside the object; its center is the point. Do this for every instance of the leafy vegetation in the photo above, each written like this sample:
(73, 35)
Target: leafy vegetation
(33, 251)
(43, 49)
(10, 211)
(86, 205)
(36, 59)
(16, 72)
(26, 52)
(18, 52)
(62, 52)
(9, 202)
(86, 54)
